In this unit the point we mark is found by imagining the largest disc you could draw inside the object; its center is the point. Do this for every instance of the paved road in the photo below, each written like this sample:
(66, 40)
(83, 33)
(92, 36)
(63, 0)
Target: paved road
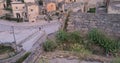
(25, 31)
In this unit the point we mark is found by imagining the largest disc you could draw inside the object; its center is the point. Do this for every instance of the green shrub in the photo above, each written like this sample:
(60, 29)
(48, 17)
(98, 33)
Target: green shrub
(62, 36)
(66, 40)
(4, 49)
(79, 48)
(8, 17)
(8, 9)
(92, 10)
(49, 46)
(116, 60)
(22, 1)
(72, 37)
(75, 37)
(102, 40)
(23, 58)
(8, 2)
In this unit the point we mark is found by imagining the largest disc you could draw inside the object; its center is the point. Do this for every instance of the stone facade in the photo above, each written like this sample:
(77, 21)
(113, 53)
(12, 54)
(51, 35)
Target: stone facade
(114, 7)
(81, 5)
(51, 7)
(28, 11)
(108, 23)
(33, 12)
(76, 6)
(2, 6)
(18, 8)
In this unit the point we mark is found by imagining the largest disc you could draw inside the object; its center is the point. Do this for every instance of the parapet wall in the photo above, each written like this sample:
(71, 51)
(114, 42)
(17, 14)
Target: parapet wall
(108, 23)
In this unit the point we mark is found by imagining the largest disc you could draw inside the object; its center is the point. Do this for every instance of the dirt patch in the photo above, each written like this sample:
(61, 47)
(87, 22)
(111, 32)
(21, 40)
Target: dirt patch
(5, 55)
(72, 55)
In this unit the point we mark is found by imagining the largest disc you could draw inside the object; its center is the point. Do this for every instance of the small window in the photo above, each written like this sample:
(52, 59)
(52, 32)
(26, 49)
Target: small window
(74, 0)
(33, 21)
(51, 5)
(16, 7)
(31, 9)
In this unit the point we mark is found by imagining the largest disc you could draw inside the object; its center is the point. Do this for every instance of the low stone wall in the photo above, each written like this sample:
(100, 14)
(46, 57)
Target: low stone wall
(108, 23)
(14, 58)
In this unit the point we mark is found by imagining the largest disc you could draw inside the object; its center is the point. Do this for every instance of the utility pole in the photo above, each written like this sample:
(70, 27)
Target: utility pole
(14, 38)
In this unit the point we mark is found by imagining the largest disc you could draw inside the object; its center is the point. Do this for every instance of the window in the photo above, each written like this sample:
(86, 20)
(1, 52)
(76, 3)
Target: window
(18, 15)
(51, 5)
(23, 7)
(31, 9)
(16, 7)
(74, 0)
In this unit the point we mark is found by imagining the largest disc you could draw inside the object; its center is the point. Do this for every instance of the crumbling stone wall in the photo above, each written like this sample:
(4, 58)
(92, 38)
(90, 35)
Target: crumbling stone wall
(108, 23)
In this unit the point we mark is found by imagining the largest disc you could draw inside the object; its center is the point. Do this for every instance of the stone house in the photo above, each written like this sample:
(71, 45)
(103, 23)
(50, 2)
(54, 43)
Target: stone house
(18, 9)
(2, 6)
(28, 11)
(32, 11)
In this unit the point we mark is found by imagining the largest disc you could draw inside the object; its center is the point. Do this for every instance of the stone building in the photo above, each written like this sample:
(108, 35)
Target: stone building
(114, 7)
(2, 6)
(32, 11)
(28, 11)
(81, 5)
(18, 9)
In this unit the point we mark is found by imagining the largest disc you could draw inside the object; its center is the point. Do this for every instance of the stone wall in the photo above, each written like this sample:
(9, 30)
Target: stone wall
(108, 23)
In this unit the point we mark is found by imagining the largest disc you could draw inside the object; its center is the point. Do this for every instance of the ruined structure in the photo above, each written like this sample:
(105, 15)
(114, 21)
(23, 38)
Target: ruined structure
(114, 7)
(108, 23)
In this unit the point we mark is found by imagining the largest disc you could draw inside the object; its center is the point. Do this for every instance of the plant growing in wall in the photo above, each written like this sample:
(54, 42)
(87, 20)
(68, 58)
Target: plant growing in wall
(99, 38)
(92, 10)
